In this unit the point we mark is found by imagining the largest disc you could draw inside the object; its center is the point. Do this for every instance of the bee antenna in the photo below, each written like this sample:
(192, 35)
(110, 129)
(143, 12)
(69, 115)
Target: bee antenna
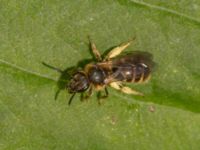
(71, 98)
(57, 93)
(52, 67)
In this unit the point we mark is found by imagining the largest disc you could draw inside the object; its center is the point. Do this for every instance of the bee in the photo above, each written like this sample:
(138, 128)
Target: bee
(113, 70)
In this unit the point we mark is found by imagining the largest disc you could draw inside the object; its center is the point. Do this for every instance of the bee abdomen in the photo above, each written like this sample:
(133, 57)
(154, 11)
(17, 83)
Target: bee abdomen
(132, 73)
(141, 73)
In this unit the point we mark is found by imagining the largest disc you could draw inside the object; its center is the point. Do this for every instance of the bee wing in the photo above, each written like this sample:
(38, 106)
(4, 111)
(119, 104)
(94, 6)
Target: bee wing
(124, 62)
(134, 58)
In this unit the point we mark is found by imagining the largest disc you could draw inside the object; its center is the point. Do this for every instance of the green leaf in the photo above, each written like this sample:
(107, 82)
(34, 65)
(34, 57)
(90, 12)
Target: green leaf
(55, 32)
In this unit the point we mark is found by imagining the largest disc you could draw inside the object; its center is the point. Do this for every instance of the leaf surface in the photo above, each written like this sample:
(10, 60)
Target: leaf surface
(55, 32)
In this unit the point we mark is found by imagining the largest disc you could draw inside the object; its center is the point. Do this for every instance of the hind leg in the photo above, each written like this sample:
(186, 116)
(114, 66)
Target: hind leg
(124, 89)
(117, 50)
(95, 51)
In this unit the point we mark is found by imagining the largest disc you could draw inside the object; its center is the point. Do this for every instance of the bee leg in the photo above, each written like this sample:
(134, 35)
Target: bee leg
(117, 50)
(71, 98)
(106, 93)
(87, 95)
(125, 89)
(100, 97)
(103, 96)
(95, 50)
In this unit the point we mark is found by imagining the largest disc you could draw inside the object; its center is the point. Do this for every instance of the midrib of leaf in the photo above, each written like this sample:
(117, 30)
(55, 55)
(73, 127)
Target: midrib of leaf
(13, 66)
(44, 77)
(166, 10)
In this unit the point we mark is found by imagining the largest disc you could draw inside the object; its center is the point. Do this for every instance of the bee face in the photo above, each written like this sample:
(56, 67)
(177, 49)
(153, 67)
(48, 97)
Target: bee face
(78, 83)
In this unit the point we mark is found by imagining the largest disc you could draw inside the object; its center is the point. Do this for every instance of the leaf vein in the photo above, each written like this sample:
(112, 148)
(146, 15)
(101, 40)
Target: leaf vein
(173, 12)
(25, 70)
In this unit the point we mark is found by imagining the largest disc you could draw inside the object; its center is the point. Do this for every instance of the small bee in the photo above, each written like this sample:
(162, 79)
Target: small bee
(113, 71)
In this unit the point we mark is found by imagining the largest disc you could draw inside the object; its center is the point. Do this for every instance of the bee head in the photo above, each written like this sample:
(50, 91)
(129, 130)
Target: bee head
(78, 83)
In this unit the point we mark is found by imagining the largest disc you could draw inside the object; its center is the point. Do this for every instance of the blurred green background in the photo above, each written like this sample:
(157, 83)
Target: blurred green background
(55, 31)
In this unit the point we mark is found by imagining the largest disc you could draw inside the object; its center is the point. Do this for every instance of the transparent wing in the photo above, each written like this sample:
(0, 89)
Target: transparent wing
(134, 58)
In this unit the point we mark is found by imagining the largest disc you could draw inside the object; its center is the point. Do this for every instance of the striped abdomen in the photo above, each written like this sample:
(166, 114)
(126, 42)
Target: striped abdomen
(134, 67)
(132, 72)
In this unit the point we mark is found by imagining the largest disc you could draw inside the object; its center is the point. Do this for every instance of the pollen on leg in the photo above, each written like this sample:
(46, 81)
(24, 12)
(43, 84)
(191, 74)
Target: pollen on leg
(117, 50)
(128, 90)
(95, 51)
(125, 89)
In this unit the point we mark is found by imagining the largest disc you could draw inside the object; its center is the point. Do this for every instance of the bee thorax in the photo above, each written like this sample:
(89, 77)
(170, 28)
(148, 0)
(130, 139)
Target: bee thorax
(96, 75)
